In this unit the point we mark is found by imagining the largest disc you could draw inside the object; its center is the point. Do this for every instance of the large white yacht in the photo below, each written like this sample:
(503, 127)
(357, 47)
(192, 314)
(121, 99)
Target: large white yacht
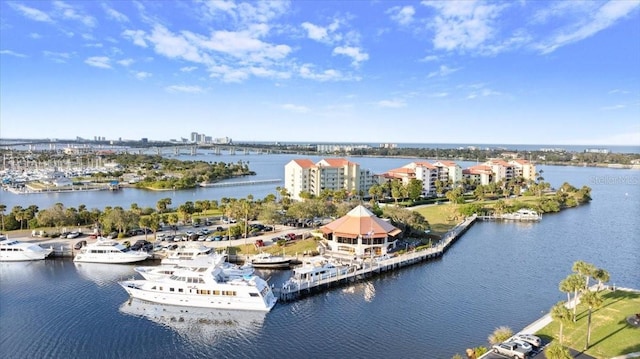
(12, 250)
(109, 251)
(205, 289)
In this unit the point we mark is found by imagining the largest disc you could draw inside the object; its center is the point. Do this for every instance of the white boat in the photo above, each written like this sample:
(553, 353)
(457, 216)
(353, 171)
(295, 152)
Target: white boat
(207, 289)
(186, 253)
(313, 271)
(109, 251)
(199, 325)
(523, 215)
(268, 260)
(12, 250)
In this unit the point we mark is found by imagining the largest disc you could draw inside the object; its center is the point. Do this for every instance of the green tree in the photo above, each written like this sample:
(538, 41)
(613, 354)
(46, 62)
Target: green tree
(593, 301)
(3, 209)
(562, 315)
(163, 204)
(576, 283)
(602, 276)
(556, 351)
(414, 189)
(585, 269)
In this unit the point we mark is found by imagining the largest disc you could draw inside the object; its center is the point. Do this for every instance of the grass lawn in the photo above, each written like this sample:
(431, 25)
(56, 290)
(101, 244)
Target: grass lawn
(440, 217)
(611, 335)
(291, 249)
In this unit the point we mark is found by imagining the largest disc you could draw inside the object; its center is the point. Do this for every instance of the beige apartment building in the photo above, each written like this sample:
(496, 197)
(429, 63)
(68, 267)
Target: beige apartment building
(302, 175)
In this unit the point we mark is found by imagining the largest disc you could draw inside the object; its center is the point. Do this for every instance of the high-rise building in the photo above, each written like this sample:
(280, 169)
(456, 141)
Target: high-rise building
(302, 175)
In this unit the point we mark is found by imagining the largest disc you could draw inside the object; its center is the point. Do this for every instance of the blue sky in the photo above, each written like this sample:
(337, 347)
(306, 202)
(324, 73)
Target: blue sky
(515, 72)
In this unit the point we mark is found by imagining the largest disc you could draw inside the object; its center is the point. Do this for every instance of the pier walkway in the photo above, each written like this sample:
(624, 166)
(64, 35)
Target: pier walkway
(240, 183)
(358, 270)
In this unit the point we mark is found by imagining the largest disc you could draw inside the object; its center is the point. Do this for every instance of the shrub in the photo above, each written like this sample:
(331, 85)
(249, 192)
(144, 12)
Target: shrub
(500, 334)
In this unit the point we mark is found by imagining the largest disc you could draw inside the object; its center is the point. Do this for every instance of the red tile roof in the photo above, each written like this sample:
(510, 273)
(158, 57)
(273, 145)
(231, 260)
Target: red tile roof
(361, 222)
(304, 163)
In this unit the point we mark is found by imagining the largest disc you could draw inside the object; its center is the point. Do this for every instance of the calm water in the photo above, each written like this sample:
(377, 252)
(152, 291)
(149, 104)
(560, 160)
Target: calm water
(497, 274)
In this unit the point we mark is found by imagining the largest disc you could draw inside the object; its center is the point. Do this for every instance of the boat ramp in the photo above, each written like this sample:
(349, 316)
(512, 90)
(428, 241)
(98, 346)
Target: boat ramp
(364, 268)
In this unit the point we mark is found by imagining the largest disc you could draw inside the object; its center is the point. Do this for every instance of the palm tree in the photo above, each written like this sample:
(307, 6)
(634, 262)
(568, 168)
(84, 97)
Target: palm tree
(3, 208)
(602, 276)
(576, 283)
(565, 287)
(500, 334)
(586, 269)
(593, 301)
(562, 315)
(557, 351)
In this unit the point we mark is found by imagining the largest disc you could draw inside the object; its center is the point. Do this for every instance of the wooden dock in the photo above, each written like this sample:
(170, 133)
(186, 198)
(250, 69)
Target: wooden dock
(361, 270)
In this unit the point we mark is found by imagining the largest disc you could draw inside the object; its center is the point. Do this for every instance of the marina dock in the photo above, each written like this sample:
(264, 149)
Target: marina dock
(369, 267)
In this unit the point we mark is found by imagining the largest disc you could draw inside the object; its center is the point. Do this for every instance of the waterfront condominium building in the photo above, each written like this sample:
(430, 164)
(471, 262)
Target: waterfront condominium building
(423, 171)
(449, 172)
(302, 175)
(523, 168)
(502, 170)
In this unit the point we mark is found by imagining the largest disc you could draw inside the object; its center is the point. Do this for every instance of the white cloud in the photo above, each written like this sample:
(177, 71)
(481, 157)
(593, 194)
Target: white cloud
(352, 52)
(184, 88)
(439, 94)
(94, 45)
(306, 72)
(483, 92)
(137, 36)
(430, 58)
(98, 61)
(142, 75)
(613, 107)
(114, 14)
(402, 15)
(12, 53)
(590, 24)
(444, 70)
(294, 108)
(396, 103)
(126, 62)
(188, 68)
(69, 12)
(175, 46)
(35, 36)
(618, 91)
(463, 25)
(59, 57)
(325, 34)
(31, 13)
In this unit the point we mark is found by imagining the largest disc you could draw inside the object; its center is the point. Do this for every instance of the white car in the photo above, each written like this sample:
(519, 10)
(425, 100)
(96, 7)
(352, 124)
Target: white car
(524, 345)
(529, 338)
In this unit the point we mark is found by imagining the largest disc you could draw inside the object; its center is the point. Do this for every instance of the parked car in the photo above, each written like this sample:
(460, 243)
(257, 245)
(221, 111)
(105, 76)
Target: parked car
(80, 244)
(529, 338)
(511, 349)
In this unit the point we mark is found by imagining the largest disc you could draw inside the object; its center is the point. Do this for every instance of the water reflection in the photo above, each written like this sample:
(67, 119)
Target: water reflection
(105, 274)
(200, 325)
(366, 289)
(17, 271)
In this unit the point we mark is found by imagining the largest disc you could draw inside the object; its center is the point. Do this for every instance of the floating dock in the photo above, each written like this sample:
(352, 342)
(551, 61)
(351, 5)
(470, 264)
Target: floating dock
(366, 268)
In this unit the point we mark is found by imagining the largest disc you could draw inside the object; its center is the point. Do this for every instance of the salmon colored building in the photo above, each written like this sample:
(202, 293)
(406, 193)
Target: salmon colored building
(360, 233)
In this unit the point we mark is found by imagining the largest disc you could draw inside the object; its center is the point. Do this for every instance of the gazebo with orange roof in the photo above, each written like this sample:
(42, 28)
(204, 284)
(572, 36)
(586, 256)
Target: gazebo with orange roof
(360, 233)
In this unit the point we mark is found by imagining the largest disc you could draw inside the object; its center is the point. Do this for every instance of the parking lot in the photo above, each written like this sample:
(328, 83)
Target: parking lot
(538, 354)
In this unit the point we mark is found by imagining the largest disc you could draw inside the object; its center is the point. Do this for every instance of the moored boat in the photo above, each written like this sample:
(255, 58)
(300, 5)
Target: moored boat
(186, 253)
(13, 251)
(208, 289)
(268, 260)
(109, 251)
(315, 270)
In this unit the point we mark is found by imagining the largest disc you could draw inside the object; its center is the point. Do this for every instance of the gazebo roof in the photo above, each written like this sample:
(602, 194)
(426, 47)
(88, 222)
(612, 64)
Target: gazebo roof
(360, 222)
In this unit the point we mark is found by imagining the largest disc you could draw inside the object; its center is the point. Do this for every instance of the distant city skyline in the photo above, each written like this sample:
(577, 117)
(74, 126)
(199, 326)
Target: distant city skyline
(477, 72)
